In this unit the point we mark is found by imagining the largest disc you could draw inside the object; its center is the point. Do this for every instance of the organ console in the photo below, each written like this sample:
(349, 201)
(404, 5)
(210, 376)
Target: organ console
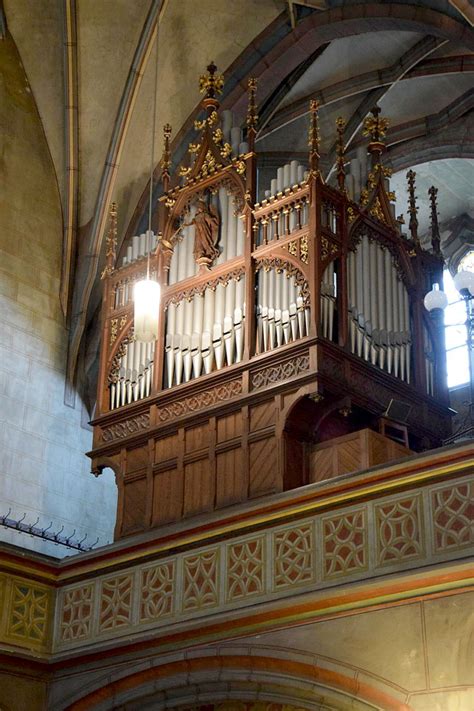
(291, 314)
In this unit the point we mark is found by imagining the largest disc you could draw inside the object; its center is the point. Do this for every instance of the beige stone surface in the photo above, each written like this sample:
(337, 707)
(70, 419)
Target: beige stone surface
(108, 33)
(450, 640)
(458, 700)
(43, 469)
(37, 30)
(387, 643)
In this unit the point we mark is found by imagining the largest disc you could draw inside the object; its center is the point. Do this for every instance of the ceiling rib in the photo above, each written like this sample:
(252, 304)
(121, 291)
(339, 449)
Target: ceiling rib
(271, 104)
(407, 61)
(71, 122)
(367, 82)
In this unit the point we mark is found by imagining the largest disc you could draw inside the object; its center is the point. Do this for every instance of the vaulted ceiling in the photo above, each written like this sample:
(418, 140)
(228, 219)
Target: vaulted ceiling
(90, 67)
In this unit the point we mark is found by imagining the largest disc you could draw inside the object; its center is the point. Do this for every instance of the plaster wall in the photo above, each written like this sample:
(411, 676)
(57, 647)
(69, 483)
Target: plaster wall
(43, 469)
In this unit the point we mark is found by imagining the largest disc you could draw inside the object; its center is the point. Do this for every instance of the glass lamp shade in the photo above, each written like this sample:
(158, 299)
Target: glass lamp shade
(464, 281)
(435, 299)
(146, 297)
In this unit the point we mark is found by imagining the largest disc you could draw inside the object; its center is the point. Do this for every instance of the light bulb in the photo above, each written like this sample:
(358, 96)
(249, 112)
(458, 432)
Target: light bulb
(464, 281)
(146, 297)
(435, 299)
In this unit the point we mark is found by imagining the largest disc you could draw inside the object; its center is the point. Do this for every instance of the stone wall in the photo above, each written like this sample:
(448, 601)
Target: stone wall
(43, 469)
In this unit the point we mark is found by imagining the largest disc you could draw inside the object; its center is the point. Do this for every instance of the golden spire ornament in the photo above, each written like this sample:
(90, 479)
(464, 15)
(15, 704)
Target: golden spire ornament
(412, 208)
(313, 137)
(376, 127)
(211, 84)
(435, 236)
(252, 115)
(166, 158)
(340, 148)
(111, 243)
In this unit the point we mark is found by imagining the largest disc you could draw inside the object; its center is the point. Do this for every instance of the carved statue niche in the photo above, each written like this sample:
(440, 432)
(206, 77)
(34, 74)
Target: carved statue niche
(206, 222)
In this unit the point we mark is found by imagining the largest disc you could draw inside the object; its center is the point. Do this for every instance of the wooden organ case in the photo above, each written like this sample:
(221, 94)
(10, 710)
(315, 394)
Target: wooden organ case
(286, 324)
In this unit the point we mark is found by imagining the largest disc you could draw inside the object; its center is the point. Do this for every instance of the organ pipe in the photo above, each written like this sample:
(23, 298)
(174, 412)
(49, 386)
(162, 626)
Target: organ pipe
(379, 312)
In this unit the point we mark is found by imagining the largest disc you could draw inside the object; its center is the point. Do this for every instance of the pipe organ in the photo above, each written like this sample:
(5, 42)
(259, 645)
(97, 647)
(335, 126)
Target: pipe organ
(379, 309)
(281, 321)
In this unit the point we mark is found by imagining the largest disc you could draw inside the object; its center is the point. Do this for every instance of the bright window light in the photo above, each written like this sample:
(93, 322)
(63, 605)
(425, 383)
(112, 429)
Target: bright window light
(457, 359)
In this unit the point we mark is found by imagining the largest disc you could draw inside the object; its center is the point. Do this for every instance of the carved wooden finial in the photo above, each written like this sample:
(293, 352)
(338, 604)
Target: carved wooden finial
(111, 242)
(313, 137)
(211, 84)
(412, 208)
(340, 148)
(435, 236)
(252, 114)
(166, 158)
(375, 127)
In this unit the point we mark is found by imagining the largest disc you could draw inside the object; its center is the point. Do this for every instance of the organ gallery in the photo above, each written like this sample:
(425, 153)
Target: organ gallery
(292, 346)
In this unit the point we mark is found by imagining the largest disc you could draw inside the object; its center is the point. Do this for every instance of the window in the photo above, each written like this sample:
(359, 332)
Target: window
(457, 356)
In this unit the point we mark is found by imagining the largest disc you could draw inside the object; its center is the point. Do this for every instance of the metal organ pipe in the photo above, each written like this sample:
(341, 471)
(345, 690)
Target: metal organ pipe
(287, 176)
(135, 373)
(328, 302)
(281, 313)
(379, 309)
(206, 331)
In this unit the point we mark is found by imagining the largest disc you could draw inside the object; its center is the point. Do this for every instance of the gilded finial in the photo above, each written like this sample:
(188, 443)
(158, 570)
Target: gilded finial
(340, 147)
(211, 84)
(252, 114)
(375, 127)
(435, 236)
(412, 208)
(166, 158)
(111, 243)
(313, 136)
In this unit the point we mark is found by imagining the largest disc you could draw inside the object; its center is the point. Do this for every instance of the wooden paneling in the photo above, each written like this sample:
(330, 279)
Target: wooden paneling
(295, 469)
(264, 475)
(134, 496)
(167, 497)
(229, 427)
(231, 479)
(137, 458)
(198, 487)
(197, 437)
(322, 464)
(166, 448)
(262, 416)
(352, 452)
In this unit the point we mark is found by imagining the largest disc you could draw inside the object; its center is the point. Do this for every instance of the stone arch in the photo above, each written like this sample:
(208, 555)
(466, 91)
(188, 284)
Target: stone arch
(187, 682)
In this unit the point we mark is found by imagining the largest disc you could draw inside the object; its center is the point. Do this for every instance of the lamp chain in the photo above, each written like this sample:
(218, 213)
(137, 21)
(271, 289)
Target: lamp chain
(152, 157)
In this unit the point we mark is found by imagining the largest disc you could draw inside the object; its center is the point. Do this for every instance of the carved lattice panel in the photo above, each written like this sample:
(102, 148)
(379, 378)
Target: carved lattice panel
(399, 530)
(453, 516)
(115, 603)
(293, 557)
(157, 590)
(200, 585)
(345, 544)
(29, 609)
(76, 613)
(245, 571)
